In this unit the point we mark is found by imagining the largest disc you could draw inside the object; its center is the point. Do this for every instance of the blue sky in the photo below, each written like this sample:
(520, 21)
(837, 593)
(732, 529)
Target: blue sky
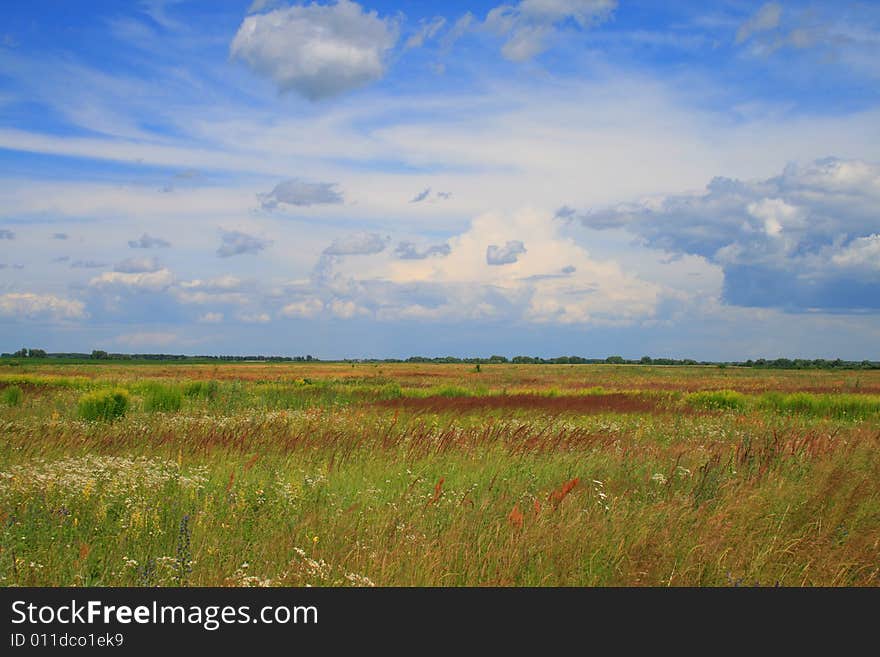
(376, 179)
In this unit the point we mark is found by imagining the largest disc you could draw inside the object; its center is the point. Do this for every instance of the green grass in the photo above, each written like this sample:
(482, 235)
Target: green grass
(840, 406)
(12, 395)
(162, 398)
(304, 480)
(103, 405)
(717, 400)
(201, 389)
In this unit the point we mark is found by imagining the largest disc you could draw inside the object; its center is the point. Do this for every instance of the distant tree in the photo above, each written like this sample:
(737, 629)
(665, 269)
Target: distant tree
(99, 354)
(646, 360)
(615, 360)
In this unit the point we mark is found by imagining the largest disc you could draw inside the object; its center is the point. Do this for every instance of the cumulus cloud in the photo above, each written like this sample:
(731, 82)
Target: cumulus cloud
(409, 251)
(357, 244)
(59, 236)
(861, 253)
(6, 234)
(235, 242)
(40, 306)
(154, 281)
(317, 51)
(60, 259)
(145, 241)
(254, 318)
(305, 308)
(459, 286)
(530, 25)
(792, 241)
(504, 255)
(300, 193)
(211, 318)
(137, 265)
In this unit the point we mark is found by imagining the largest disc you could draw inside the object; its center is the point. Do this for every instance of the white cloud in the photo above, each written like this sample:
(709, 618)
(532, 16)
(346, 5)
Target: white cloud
(426, 32)
(357, 244)
(153, 281)
(307, 308)
(254, 318)
(463, 286)
(346, 309)
(235, 242)
(531, 24)
(862, 253)
(300, 193)
(504, 255)
(765, 19)
(145, 241)
(211, 318)
(409, 251)
(34, 306)
(801, 240)
(137, 265)
(226, 289)
(316, 50)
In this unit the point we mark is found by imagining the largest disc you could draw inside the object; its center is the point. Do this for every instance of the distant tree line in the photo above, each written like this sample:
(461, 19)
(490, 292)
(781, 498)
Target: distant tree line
(99, 354)
(777, 363)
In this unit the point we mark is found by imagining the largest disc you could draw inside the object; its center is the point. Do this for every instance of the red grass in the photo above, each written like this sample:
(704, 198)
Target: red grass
(516, 517)
(438, 491)
(560, 493)
(611, 403)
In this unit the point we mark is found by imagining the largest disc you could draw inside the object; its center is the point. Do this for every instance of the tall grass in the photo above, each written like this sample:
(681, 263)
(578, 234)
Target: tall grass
(718, 400)
(201, 389)
(12, 395)
(287, 482)
(103, 405)
(162, 398)
(840, 406)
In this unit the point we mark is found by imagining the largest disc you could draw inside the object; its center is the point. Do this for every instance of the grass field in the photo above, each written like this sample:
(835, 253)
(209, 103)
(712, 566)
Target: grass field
(402, 474)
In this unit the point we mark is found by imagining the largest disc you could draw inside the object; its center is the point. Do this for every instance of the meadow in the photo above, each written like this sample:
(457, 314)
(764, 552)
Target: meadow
(335, 474)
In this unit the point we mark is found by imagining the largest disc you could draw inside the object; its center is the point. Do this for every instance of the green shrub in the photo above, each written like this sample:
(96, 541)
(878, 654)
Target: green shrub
(716, 400)
(162, 398)
(201, 389)
(12, 395)
(106, 405)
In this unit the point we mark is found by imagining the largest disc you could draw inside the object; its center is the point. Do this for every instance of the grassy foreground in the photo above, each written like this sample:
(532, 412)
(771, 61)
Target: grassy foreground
(340, 475)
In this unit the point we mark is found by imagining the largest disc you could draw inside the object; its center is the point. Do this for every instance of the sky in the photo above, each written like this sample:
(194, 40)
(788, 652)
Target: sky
(388, 178)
